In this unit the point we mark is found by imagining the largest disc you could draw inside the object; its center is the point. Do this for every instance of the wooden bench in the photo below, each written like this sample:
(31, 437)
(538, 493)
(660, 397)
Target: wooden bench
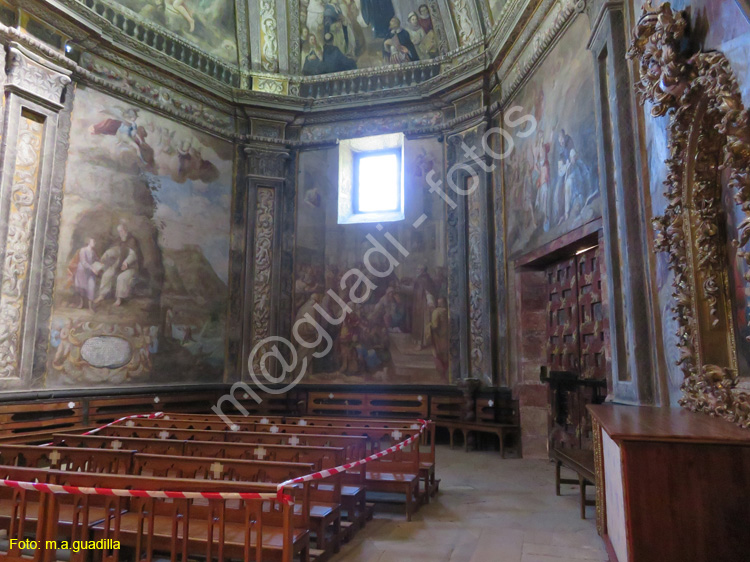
(247, 530)
(496, 416)
(582, 463)
(194, 459)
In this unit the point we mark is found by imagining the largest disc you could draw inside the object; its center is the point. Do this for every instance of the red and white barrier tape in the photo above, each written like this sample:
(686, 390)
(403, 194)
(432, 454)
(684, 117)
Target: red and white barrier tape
(279, 495)
(81, 490)
(345, 467)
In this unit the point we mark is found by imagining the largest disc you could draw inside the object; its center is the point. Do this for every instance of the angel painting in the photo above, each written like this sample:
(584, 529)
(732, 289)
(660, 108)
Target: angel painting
(122, 124)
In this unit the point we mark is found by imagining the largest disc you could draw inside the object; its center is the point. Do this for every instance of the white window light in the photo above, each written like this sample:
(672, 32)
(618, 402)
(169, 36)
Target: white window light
(371, 179)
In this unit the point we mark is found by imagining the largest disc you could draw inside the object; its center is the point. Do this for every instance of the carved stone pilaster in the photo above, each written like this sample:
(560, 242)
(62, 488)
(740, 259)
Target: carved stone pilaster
(267, 174)
(34, 89)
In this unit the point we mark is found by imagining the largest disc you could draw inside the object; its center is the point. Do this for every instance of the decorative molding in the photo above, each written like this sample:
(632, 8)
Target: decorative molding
(20, 231)
(295, 54)
(466, 24)
(263, 263)
(35, 76)
(709, 131)
(161, 96)
(534, 42)
(51, 242)
(269, 40)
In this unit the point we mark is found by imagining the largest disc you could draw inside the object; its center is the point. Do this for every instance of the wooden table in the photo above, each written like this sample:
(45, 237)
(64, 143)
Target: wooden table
(672, 485)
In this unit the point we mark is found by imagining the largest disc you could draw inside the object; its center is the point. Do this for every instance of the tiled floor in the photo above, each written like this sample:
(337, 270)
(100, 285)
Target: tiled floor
(489, 510)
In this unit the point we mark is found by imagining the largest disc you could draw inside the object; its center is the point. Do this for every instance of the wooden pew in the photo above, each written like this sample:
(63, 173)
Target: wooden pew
(354, 446)
(322, 457)
(324, 509)
(376, 430)
(325, 500)
(249, 530)
(68, 458)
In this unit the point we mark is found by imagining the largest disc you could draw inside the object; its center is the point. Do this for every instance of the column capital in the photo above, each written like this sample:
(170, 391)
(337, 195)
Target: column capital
(31, 75)
(267, 160)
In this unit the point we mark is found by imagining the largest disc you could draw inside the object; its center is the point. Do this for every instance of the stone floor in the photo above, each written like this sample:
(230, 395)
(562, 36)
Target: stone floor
(489, 510)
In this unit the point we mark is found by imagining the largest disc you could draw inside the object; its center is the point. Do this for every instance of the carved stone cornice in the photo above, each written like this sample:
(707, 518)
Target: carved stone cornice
(31, 75)
(548, 23)
(709, 133)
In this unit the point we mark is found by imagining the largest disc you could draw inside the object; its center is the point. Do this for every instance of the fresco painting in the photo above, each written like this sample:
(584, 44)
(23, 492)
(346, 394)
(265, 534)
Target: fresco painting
(338, 35)
(399, 333)
(144, 250)
(551, 177)
(209, 24)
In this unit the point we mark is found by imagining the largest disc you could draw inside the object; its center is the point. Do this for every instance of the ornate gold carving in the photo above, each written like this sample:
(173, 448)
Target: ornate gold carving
(708, 135)
(18, 244)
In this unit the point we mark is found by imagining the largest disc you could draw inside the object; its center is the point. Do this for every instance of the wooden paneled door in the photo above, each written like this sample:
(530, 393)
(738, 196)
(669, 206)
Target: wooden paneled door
(577, 340)
(592, 324)
(563, 349)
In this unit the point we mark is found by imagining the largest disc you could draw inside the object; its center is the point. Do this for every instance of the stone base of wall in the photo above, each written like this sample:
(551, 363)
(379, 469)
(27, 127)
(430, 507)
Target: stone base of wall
(534, 411)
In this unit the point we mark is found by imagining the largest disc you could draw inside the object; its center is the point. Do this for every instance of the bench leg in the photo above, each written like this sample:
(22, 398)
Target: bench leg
(558, 465)
(450, 431)
(466, 440)
(500, 435)
(409, 503)
(582, 485)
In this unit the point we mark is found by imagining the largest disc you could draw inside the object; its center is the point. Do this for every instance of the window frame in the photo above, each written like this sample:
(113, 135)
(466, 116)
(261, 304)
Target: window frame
(358, 156)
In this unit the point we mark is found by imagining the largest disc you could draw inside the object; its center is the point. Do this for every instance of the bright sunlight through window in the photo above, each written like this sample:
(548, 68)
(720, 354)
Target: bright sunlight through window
(378, 186)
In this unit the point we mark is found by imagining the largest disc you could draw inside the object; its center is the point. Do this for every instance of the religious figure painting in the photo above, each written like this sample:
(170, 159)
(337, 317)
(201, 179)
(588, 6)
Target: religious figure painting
(397, 330)
(141, 283)
(338, 35)
(552, 175)
(208, 24)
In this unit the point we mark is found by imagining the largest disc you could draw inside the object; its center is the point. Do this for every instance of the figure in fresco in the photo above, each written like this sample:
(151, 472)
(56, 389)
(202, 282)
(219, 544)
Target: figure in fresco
(574, 181)
(542, 170)
(122, 124)
(423, 41)
(313, 55)
(348, 341)
(398, 47)
(425, 19)
(377, 14)
(84, 269)
(440, 329)
(180, 8)
(123, 262)
(423, 301)
(336, 22)
(333, 59)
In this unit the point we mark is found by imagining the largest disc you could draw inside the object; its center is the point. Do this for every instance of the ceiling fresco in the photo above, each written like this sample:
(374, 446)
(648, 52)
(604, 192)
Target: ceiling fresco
(308, 37)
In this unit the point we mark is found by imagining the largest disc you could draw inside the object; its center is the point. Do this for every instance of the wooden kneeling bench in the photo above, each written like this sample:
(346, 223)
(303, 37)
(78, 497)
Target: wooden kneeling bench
(499, 429)
(582, 463)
